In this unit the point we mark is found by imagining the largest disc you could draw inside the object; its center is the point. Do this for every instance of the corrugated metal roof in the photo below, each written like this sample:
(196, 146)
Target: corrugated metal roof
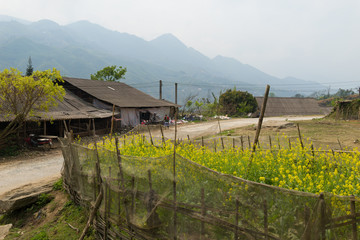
(279, 106)
(117, 93)
(71, 108)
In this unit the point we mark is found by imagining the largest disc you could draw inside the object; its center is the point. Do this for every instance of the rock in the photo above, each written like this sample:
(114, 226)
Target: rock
(23, 196)
(4, 230)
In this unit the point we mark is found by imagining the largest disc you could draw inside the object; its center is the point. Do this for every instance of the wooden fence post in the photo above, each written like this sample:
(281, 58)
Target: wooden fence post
(307, 231)
(222, 143)
(174, 180)
(270, 143)
(353, 213)
(236, 219)
(215, 145)
(242, 143)
(289, 144)
(152, 143)
(266, 224)
(300, 139)
(322, 217)
(202, 141)
(133, 194)
(261, 118)
(153, 220)
(340, 144)
(162, 134)
(203, 212)
(312, 150)
(233, 142)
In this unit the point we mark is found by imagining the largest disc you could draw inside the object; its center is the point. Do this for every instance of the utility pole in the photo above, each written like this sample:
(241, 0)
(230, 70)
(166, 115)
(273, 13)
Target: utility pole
(176, 93)
(160, 93)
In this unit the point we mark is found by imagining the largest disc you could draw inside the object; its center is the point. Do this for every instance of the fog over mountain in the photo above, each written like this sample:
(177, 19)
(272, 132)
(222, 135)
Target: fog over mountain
(82, 48)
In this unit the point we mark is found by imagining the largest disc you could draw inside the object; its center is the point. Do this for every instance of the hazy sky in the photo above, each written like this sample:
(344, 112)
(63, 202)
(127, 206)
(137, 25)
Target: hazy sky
(310, 39)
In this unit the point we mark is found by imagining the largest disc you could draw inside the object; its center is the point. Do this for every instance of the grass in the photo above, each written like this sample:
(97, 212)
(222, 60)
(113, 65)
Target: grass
(49, 218)
(322, 132)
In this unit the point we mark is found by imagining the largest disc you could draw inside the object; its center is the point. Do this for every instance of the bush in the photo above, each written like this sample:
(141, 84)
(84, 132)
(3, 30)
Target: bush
(237, 103)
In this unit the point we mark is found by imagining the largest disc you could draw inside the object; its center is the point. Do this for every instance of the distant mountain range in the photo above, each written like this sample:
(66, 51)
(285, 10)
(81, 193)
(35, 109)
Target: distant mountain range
(82, 48)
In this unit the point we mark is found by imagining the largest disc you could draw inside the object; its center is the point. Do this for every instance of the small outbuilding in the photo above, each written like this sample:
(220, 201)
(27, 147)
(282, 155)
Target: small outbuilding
(131, 105)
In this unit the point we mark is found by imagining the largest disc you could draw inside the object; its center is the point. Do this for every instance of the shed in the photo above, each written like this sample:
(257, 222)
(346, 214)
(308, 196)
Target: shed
(132, 104)
(73, 112)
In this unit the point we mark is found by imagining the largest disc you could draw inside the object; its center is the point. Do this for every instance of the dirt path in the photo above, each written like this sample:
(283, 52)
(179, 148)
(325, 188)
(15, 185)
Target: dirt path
(30, 170)
(212, 127)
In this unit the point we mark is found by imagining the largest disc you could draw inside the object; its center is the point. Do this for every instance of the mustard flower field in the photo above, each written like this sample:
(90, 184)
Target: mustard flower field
(299, 168)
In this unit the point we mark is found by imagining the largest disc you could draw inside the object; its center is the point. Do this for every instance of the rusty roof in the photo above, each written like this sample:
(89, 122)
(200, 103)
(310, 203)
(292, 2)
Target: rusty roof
(117, 93)
(72, 107)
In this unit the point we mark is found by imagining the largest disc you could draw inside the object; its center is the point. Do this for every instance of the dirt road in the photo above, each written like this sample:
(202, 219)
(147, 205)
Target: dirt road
(30, 170)
(43, 169)
(212, 127)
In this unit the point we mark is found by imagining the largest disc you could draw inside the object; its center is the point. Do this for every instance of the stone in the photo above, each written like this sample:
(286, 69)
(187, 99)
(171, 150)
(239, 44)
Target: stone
(4, 230)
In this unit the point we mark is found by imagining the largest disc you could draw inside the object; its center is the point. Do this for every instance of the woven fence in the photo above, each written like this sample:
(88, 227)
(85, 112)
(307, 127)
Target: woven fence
(172, 197)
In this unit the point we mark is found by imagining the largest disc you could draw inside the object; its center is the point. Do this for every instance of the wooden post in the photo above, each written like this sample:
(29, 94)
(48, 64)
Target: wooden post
(107, 201)
(270, 143)
(152, 143)
(202, 141)
(242, 143)
(112, 121)
(132, 207)
(266, 225)
(312, 150)
(44, 127)
(340, 144)
(65, 125)
(233, 142)
(236, 219)
(289, 144)
(203, 212)
(353, 213)
(307, 233)
(279, 143)
(119, 198)
(249, 141)
(189, 139)
(174, 181)
(262, 113)
(162, 134)
(215, 145)
(92, 214)
(160, 89)
(300, 139)
(94, 129)
(222, 143)
(98, 199)
(322, 216)
(176, 93)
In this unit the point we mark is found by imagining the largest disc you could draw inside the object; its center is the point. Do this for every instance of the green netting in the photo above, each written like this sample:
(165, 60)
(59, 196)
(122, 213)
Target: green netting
(143, 199)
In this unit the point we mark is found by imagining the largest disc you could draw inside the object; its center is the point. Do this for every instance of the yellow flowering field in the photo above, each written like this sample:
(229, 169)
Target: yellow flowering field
(303, 169)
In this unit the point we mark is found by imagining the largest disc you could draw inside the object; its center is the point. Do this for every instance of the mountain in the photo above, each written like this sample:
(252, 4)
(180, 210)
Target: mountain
(82, 48)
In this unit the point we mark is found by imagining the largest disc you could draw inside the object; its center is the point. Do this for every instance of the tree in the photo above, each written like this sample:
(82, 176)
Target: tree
(110, 73)
(237, 103)
(22, 96)
(29, 69)
(344, 93)
(298, 95)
